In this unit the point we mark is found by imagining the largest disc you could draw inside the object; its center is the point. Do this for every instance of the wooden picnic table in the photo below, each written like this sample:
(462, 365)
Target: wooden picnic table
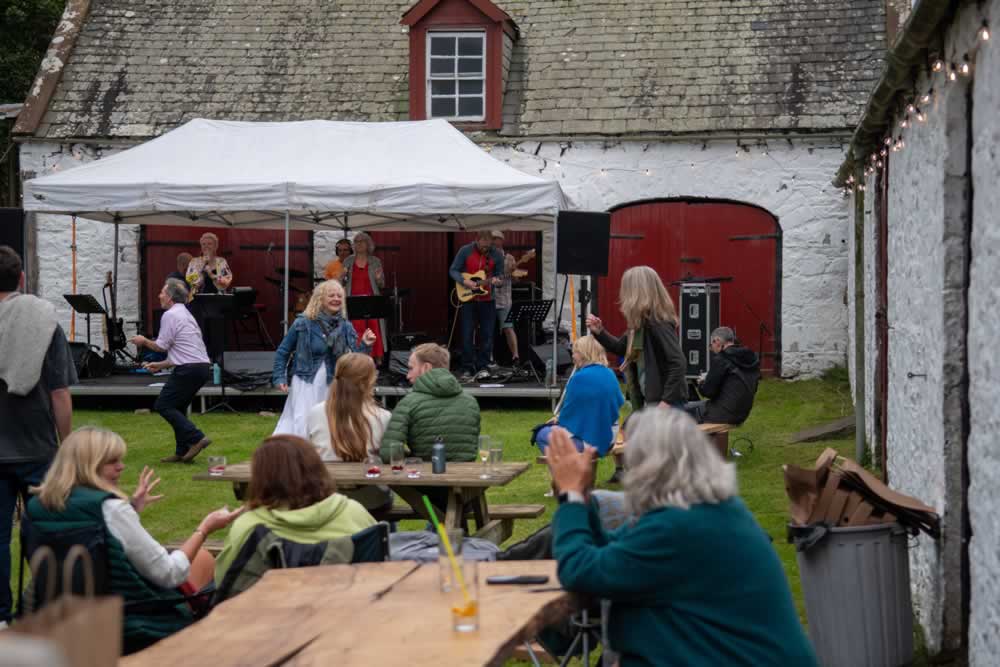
(465, 490)
(330, 615)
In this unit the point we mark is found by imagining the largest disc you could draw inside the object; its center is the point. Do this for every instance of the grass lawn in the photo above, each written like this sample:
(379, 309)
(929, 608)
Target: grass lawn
(781, 409)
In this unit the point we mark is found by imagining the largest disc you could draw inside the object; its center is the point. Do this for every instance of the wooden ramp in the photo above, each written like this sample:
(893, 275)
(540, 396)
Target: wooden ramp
(835, 429)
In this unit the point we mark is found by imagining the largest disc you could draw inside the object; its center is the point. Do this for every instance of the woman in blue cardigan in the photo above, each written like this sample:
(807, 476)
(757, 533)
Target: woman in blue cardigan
(591, 402)
(692, 578)
(317, 337)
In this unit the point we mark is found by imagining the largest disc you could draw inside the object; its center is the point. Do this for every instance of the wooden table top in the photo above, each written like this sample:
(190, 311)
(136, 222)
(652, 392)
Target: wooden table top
(462, 475)
(327, 615)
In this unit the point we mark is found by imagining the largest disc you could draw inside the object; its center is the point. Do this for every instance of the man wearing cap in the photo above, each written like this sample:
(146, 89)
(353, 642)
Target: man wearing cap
(480, 311)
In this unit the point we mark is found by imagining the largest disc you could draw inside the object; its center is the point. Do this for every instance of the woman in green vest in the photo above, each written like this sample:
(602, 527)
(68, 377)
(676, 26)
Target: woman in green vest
(81, 489)
(692, 578)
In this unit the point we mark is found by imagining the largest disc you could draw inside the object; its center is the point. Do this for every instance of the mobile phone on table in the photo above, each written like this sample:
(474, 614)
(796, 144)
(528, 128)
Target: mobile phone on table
(517, 579)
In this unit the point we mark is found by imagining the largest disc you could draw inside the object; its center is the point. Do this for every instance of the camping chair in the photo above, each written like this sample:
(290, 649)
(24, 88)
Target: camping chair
(264, 551)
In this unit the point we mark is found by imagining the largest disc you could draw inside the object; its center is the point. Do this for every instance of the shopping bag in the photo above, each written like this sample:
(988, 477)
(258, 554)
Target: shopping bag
(87, 629)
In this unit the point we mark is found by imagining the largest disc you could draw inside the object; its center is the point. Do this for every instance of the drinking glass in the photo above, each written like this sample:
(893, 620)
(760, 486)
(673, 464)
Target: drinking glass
(396, 455)
(465, 604)
(484, 455)
(412, 466)
(372, 466)
(447, 574)
(216, 465)
(496, 456)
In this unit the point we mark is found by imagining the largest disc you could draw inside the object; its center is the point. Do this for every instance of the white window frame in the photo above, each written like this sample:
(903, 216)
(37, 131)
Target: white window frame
(456, 77)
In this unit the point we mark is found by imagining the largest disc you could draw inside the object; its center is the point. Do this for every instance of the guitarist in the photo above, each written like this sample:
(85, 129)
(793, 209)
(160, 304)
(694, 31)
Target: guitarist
(481, 312)
(503, 295)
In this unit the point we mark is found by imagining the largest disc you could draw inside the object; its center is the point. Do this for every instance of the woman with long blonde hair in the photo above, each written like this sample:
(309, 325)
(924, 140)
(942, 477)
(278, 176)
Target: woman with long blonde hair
(318, 337)
(654, 363)
(349, 425)
(81, 489)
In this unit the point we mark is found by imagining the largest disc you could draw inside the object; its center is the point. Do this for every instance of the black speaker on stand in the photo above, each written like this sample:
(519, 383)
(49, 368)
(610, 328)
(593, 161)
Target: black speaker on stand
(583, 244)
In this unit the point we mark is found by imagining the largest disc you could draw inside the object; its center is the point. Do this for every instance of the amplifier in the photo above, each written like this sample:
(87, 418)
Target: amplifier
(699, 313)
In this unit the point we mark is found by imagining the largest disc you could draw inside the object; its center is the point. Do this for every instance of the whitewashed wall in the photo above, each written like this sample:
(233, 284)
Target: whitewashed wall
(984, 357)
(928, 317)
(791, 180)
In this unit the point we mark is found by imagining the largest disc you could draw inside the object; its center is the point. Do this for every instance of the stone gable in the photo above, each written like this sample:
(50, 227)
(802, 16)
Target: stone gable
(580, 67)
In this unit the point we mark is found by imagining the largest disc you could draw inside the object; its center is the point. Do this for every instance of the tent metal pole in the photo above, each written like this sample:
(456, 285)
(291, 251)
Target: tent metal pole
(114, 287)
(284, 317)
(555, 290)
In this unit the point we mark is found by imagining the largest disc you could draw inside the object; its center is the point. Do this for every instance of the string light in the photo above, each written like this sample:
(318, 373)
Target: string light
(984, 32)
(649, 173)
(965, 69)
(861, 187)
(604, 172)
(952, 74)
(910, 108)
(887, 141)
(921, 116)
(938, 65)
(926, 97)
(905, 121)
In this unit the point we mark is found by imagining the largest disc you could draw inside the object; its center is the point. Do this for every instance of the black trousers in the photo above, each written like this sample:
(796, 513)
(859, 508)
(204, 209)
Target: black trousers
(173, 401)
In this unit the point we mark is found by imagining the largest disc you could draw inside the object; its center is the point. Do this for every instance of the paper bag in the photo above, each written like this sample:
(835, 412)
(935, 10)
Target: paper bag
(87, 629)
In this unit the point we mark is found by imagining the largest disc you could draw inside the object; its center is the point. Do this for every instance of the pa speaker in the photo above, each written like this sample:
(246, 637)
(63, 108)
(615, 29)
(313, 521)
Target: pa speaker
(540, 355)
(12, 229)
(582, 246)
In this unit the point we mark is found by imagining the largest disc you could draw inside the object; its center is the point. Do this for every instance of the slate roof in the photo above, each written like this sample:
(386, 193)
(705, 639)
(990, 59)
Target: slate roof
(580, 67)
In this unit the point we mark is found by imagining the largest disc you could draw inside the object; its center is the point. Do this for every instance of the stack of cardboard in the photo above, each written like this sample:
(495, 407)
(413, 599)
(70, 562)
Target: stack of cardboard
(840, 493)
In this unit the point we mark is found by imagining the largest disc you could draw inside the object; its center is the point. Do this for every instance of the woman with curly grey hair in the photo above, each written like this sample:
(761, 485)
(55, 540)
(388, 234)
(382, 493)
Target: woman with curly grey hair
(693, 579)
(363, 276)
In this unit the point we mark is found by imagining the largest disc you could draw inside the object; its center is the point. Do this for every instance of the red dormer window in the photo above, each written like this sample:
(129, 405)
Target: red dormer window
(459, 57)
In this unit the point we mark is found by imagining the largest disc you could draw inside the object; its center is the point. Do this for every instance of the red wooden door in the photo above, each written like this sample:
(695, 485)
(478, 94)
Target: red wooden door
(247, 253)
(738, 243)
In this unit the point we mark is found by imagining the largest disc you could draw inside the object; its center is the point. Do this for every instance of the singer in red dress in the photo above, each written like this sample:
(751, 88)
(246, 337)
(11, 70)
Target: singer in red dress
(363, 276)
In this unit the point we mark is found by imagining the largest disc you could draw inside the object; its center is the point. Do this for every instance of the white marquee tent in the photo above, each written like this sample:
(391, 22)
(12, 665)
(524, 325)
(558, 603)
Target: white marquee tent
(310, 175)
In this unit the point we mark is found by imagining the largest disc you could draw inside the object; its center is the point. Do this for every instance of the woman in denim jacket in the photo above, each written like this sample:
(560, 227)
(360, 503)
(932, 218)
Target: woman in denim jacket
(318, 337)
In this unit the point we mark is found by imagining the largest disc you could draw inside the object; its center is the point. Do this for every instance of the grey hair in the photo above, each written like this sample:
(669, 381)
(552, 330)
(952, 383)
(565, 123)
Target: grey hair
(363, 236)
(724, 334)
(669, 462)
(176, 290)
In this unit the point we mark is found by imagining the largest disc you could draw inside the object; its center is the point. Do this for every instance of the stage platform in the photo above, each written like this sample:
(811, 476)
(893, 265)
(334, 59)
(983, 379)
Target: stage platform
(144, 385)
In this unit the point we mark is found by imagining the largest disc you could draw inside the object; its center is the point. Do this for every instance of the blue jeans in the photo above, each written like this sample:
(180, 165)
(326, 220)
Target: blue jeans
(542, 439)
(484, 315)
(15, 478)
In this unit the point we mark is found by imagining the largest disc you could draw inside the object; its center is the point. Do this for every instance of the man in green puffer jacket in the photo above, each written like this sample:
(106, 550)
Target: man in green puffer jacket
(437, 406)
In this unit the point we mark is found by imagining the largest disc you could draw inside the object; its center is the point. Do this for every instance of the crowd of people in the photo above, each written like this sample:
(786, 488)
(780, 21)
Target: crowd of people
(688, 568)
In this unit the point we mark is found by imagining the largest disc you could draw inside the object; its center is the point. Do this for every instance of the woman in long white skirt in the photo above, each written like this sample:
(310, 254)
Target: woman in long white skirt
(317, 337)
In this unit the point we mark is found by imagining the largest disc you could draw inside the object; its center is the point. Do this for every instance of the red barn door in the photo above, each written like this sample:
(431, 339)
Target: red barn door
(738, 243)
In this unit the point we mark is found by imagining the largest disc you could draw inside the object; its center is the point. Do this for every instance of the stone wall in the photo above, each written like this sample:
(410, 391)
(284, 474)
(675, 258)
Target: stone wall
(984, 358)
(943, 318)
(789, 178)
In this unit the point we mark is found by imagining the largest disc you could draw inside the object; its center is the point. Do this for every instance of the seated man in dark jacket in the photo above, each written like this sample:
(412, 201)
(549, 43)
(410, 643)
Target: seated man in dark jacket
(730, 384)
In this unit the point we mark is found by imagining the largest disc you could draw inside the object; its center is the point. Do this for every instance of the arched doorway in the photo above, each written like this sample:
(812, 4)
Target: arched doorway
(695, 238)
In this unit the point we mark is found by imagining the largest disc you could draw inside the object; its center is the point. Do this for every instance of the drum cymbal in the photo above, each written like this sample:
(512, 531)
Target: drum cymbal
(277, 283)
(292, 273)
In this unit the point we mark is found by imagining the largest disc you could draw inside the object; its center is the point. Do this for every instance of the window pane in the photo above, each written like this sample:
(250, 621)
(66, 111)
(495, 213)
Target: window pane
(442, 106)
(470, 87)
(442, 46)
(442, 66)
(470, 46)
(470, 106)
(443, 87)
(470, 65)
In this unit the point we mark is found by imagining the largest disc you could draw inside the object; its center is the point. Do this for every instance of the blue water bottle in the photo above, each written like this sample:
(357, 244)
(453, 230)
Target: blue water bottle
(216, 373)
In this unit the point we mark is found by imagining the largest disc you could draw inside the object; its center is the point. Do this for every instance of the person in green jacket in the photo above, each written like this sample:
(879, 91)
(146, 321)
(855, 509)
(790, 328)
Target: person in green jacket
(292, 493)
(692, 578)
(437, 407)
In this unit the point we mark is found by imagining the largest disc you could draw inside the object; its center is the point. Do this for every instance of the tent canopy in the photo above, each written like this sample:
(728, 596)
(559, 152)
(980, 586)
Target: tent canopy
(405, 176)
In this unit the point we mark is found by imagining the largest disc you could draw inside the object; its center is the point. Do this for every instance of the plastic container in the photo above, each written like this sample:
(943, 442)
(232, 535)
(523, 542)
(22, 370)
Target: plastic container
(216, 374)
(856, 585)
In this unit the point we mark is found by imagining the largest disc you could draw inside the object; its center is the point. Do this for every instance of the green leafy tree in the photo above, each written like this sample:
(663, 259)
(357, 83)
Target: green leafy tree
(26, 28)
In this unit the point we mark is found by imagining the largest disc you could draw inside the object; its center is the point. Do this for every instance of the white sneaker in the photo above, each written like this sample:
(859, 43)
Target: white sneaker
(482, 375)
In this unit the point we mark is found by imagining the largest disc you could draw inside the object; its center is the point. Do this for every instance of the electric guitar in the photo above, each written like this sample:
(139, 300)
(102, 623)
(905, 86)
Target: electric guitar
(482, 287)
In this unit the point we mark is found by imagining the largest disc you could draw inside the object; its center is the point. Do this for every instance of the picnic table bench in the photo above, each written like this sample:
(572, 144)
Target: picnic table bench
(388, 613)
(466, 493)
(717, 433)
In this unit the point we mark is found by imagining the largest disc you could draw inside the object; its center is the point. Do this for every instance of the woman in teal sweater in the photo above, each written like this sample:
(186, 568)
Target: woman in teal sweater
(693, 579)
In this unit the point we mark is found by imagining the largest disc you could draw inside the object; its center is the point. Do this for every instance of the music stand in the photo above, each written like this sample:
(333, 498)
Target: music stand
(214, 310)
(368, 307)
(86, 305)
(534, 312)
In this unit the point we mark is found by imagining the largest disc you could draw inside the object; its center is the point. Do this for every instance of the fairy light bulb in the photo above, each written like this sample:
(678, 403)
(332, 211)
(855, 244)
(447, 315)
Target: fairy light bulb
(965, 69)
(984, 32)
(648, 172)
(879, 164)
(938, 65)
(926, 99)
(910, 108)
(604, 172)
(887, 141)
(921, 116)
(850, 179)
(883, 152)
(558, 164)
(903, 123)
(952, 74)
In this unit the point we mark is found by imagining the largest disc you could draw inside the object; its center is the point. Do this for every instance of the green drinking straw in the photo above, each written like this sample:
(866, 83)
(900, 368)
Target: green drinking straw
(447, 547)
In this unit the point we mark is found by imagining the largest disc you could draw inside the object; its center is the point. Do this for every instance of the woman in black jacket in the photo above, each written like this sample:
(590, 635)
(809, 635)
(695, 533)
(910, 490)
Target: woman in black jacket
(654, 363)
